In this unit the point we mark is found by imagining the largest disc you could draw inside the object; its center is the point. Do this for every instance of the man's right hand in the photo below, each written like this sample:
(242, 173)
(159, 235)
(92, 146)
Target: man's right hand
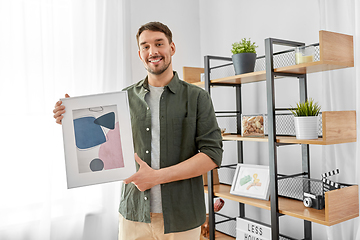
(59, 110)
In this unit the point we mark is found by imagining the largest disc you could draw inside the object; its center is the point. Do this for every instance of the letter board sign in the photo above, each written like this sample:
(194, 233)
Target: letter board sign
(250, 230)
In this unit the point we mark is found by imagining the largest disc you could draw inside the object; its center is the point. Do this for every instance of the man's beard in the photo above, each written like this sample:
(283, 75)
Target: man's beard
(158, 71)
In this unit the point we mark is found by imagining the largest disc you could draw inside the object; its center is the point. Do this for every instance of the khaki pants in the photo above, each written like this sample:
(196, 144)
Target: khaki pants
(129, 230)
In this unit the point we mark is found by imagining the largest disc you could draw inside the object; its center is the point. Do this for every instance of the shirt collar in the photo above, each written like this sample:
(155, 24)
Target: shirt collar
(173, 85)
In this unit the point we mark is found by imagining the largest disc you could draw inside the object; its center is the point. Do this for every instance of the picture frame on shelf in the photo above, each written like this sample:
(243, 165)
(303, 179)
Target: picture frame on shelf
(251, 181)
(97, 136)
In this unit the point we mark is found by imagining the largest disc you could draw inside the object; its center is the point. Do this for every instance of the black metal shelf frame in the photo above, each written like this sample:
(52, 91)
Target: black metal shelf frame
(237, 113)
(270, 76)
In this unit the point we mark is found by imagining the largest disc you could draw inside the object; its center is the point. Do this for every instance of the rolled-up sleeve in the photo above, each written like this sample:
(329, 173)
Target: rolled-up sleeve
(208, 136)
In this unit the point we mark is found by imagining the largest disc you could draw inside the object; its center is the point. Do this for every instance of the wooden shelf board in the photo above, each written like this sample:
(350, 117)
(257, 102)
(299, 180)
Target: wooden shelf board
(242, 78)
(287, 139)
(222, 190)
(290, 207)
(313, 67)
(303, 68)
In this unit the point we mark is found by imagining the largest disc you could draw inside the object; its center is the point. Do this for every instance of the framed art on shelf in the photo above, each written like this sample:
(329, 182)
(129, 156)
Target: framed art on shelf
(97, 137)
(251, 181)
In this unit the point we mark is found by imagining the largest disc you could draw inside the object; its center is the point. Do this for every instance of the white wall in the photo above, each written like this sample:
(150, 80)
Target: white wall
(182, 17)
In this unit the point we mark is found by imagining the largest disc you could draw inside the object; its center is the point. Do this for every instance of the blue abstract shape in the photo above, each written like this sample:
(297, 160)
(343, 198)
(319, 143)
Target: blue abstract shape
(106, 120)
(96, 165)
(87, 133)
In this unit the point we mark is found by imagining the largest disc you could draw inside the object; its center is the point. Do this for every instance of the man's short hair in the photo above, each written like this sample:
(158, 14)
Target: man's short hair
(156, 27)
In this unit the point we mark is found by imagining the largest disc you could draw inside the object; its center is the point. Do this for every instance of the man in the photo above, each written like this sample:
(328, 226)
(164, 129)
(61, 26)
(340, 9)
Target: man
(176, 140)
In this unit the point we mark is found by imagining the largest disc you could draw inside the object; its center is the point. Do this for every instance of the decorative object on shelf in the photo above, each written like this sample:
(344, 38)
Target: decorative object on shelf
(318, 201)
(244, 56)
(304, 54)
(251, 181)
(306, 119)
(218, 205)
(314, 201)
(328, 184)
(252, 125)
(249, 229)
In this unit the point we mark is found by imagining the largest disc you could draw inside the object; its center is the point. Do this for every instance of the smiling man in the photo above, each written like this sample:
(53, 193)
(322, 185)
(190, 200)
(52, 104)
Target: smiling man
(176, 140)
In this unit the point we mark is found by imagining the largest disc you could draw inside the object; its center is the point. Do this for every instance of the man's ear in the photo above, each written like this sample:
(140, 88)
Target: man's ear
(173, 48)
(139, 55)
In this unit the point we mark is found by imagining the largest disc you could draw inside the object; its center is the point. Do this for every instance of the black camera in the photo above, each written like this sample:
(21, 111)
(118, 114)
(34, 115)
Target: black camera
(314, 201)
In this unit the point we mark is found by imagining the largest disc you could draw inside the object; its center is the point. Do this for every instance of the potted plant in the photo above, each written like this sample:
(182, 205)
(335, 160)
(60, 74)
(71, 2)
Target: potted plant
(244, 56)
(306, 119)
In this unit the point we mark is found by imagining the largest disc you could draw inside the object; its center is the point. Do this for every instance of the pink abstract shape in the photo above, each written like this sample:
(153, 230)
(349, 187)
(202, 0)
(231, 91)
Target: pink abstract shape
(111, 152)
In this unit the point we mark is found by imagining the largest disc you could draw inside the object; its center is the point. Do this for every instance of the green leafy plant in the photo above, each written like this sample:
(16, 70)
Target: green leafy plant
(244, 46)
(308, 108)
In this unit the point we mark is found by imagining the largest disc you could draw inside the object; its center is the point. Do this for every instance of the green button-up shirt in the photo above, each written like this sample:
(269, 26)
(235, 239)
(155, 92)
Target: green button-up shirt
(187, 126)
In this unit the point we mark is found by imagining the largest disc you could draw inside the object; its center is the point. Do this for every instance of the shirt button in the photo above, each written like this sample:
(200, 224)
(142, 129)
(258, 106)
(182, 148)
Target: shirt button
(145, 198)
(147, 108)
(147, 151)
(147, 129)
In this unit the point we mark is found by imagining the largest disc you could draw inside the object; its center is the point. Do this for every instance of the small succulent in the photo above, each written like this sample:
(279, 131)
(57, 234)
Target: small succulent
(244, 46)
(307, 108)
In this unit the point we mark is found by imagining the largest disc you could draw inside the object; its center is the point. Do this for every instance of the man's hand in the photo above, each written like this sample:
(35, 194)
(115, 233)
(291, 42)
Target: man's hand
(59, 110)
(145, 178)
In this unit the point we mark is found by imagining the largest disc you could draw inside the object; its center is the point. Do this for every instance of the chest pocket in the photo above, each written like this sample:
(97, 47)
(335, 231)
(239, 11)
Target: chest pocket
(184, 130)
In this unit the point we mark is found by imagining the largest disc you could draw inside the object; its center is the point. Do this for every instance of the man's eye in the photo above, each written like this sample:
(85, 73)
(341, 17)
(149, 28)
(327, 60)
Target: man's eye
(159, 44)
(145, 47)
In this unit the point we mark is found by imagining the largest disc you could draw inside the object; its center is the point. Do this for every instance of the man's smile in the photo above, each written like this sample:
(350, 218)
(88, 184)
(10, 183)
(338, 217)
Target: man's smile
(155, 59)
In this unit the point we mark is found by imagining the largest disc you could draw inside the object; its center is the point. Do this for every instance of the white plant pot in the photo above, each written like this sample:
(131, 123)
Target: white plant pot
(306, 127)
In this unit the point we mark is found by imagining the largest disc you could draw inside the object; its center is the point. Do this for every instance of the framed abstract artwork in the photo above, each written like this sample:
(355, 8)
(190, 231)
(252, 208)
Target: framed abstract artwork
(251, 181)
(98, 141)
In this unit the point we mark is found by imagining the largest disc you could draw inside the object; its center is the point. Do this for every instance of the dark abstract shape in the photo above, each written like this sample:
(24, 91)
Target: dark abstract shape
(87, 133)
(96, 165)
(106, 120)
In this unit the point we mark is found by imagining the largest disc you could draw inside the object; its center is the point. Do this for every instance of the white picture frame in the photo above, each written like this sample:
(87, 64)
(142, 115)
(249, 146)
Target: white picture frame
(97, 136)
(251, 181)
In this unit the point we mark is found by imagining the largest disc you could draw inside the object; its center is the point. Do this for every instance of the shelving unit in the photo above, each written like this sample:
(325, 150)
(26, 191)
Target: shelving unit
(336, 52)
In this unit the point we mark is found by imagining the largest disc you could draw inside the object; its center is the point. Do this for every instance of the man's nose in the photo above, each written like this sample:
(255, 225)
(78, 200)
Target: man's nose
(153, 51)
